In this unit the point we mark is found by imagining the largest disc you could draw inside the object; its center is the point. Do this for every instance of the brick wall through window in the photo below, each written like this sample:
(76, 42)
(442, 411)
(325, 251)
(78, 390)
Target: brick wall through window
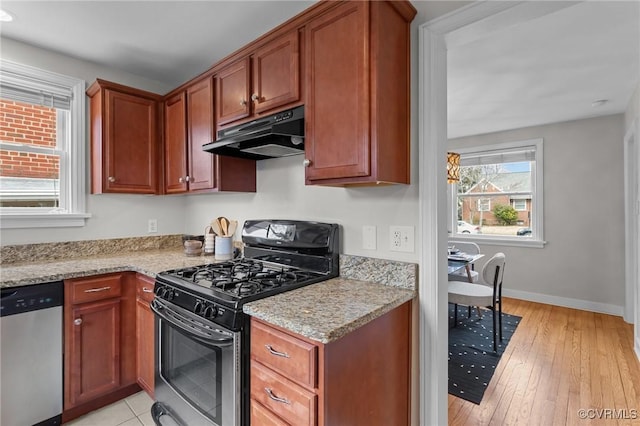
(33, 125)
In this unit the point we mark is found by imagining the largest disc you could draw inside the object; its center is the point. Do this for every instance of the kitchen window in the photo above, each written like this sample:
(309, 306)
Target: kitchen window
(500, 191)
(42, 172)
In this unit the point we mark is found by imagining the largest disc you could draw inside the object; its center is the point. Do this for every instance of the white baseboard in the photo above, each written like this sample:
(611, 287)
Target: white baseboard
(584, 305)
(638, 347)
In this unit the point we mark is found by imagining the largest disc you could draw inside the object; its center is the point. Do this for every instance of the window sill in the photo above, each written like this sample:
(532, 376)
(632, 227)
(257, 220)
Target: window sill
(43, 220)
(497, 241)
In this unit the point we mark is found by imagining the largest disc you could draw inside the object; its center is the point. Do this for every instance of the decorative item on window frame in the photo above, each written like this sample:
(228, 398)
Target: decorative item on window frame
(453, 167)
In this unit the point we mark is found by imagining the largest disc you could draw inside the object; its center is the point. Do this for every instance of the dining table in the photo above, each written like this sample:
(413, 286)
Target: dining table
(459, 260)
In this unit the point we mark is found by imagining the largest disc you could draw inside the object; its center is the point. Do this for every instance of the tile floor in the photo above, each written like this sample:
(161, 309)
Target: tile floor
(131, 411)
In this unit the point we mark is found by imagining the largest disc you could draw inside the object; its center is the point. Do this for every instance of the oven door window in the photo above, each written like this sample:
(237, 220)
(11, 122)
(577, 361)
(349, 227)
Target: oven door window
(202, 374)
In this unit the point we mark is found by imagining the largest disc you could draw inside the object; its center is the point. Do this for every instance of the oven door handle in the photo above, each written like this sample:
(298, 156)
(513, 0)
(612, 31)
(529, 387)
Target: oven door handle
(207, 338)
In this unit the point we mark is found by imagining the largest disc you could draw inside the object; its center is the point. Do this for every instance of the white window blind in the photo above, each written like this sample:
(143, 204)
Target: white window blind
(514, 155)
(34, 91)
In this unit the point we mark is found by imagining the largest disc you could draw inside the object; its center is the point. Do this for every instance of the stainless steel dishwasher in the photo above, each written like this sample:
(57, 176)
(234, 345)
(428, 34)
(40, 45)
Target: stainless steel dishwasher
(31, 355)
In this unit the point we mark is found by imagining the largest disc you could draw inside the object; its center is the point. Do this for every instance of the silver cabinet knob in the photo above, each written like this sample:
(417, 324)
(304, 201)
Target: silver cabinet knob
(111, 179)
(254, 98)
(243, 102)
(77, 321)
(180, 180)
(306, 162)
(188, 179)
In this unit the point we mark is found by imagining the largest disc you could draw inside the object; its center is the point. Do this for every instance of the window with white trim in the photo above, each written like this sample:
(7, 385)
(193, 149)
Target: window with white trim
(519, 204)
(42, 178)
(484, 204)
(500, 191)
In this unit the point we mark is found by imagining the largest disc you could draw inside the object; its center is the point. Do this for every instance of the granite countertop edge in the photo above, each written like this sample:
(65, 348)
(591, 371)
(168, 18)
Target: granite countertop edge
(326, 316)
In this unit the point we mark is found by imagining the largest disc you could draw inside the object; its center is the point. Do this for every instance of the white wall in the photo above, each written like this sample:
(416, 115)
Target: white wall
(281, 194)
(582, 264)
(112, 215)
(631, 118)
(633, 109)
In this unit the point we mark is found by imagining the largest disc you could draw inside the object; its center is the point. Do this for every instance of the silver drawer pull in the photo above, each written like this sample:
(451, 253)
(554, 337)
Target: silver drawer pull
(95, 290)
(276, 353)
(147, 290)
(275, 398)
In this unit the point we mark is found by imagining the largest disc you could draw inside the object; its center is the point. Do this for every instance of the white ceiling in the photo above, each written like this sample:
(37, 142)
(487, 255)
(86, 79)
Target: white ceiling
(167, 41)
(545, 70)
(549, 69)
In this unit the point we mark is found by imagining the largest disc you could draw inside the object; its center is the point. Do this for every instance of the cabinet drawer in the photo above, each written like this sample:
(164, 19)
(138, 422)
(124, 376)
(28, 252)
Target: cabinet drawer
(95, 288)
(144, 288)
(293, 358)
(263, 417)
(291, 402)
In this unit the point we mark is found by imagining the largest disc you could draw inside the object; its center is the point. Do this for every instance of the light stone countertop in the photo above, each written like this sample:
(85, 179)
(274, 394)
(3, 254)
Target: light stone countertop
(146, 262)
(324, 311)
(329, 310)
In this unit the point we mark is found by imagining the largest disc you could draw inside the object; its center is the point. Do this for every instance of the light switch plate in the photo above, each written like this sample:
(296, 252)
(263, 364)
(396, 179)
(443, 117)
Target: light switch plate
(368, 237)
(152, 226)
(401, 238)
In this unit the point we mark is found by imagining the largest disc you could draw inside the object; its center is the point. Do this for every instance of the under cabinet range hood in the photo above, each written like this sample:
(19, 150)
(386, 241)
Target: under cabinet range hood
(277, 135)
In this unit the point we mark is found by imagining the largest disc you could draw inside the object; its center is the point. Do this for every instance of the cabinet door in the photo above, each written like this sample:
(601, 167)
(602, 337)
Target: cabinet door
(200, 130)
(232, 92)
(145, 345)
(175, 141)
(276, 73)
(337, 140)
(93, 351)
(130, 147)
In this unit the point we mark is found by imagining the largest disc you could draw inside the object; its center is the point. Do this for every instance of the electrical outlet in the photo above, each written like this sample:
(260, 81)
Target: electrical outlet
(401, 238)
(152, 225)
(368, 237)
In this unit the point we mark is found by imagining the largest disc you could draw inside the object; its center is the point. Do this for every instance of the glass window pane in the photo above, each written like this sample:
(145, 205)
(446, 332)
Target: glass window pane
(30, 173)
(496, 199)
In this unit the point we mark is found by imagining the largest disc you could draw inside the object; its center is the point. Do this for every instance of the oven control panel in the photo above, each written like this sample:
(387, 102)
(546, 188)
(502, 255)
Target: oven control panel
(203, 308)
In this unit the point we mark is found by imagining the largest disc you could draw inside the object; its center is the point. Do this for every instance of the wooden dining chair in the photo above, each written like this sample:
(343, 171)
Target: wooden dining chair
(481, 294)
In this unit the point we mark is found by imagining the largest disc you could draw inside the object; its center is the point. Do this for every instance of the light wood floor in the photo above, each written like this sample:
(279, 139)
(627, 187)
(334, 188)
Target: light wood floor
(558, 362)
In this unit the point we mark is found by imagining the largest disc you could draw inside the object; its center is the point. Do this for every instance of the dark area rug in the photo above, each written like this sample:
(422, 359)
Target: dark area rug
(472, 360)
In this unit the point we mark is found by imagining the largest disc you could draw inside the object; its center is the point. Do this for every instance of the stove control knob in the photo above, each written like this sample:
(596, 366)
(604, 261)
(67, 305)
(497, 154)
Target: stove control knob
(161, 292)
(170, 295)
(210, 312)
(197, 308)
(157, 289)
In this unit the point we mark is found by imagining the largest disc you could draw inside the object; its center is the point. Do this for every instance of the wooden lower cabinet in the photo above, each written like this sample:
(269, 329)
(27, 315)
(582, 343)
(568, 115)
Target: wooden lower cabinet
(145, 334)
(362, 378)
(99, 342)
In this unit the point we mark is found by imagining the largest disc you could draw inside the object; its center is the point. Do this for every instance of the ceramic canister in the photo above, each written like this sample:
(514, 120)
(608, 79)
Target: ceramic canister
(223, 248)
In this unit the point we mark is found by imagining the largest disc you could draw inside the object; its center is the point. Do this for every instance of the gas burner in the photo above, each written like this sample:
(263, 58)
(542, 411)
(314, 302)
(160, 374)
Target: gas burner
(247, 288)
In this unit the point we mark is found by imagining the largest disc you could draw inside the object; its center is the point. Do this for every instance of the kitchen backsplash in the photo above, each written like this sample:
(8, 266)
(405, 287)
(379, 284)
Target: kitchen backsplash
(387, 272)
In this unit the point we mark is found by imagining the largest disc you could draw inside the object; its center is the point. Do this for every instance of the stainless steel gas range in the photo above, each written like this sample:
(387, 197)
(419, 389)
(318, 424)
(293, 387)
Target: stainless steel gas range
(202, 335)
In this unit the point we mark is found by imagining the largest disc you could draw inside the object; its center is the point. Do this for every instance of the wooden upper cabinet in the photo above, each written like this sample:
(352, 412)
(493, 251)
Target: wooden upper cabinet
(276, 73)
(357, 109)
(189, 124)
(175, 139)
(338, 82)
(200, 130)
(266, 79)
(233, 86)
(124, 139)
